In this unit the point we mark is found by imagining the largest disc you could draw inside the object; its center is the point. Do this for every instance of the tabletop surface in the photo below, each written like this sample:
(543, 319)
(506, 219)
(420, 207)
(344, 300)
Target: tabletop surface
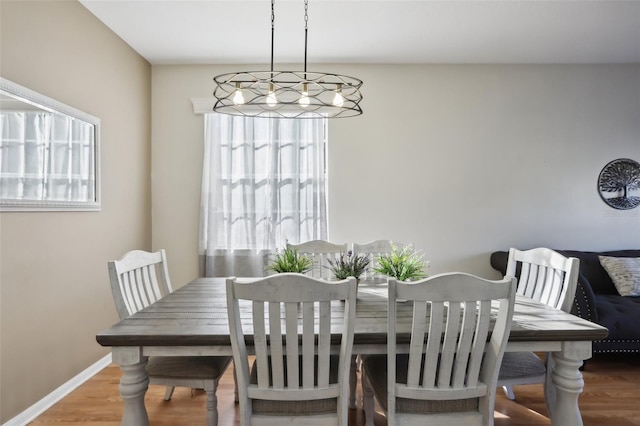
(196, 315)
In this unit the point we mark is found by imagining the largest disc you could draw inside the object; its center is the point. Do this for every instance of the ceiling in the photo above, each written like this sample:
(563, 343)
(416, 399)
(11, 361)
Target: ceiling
(378, 31)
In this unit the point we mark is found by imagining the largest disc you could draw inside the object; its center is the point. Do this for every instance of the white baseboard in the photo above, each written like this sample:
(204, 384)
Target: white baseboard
(41, 406)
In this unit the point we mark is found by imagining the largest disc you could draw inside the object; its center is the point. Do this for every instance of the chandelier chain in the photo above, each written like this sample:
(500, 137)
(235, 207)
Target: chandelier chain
(306, 28)
(273, 20)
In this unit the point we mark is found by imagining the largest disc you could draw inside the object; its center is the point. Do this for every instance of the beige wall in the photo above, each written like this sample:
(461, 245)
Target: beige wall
(55, 292)
(461, 160)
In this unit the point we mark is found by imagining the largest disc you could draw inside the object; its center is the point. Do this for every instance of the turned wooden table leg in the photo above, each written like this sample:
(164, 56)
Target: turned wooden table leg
(567, 384)
(212, 404)
(133, 385)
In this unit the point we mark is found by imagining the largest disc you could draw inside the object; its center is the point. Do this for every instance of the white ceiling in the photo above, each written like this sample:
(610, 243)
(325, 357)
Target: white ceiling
(379, 31)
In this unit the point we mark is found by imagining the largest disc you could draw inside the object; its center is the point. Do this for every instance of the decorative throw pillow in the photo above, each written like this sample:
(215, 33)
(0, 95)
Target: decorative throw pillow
(624, 272)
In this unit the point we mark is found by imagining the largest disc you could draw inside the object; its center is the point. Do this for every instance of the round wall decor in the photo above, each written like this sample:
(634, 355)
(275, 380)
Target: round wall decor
(619, 184)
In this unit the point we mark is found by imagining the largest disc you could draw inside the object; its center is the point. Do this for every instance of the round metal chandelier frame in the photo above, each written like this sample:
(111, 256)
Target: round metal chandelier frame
(287, 94)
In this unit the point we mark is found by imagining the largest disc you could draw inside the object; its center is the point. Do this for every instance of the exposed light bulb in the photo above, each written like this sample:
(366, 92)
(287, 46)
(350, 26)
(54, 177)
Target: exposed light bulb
(304, 99)
(338, 99)
(271, 97)
(238, 97)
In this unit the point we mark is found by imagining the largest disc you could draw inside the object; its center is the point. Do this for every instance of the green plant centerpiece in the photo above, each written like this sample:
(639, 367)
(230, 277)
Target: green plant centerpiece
(289, 260)
(405, 264)
(349, 264)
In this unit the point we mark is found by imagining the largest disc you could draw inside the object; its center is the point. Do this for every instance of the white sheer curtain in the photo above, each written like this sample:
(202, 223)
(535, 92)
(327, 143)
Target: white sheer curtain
(263, 184)
(46, 156)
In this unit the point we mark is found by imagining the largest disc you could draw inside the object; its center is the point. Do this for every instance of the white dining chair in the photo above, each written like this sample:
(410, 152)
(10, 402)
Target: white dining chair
(139, 279)
(319, 251)
(373, 249)
(548, 277)
(294, 319)
(448, 377)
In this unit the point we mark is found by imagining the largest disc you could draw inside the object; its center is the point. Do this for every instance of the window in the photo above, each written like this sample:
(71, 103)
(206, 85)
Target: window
(264, 183)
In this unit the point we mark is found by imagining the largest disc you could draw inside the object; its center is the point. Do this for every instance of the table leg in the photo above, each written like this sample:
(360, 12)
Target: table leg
(566, 383)
(353, 381)
(133, 385)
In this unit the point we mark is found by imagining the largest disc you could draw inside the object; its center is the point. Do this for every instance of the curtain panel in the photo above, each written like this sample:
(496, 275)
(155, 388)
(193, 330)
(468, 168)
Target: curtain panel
(263, 184)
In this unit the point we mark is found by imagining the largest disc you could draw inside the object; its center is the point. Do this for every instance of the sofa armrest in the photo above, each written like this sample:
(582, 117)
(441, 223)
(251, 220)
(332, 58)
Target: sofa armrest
(499, 261)
(584, 303)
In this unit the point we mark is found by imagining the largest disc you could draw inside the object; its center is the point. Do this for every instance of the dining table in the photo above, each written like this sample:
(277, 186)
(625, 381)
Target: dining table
(193, 321)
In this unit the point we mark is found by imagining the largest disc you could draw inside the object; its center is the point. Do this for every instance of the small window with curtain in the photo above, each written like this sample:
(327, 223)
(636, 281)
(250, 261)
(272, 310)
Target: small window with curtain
(264, 183)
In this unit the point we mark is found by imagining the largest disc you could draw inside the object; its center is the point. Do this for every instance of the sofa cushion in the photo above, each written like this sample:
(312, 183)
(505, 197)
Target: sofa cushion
(592, 270)
(624, 272)
(621, 315)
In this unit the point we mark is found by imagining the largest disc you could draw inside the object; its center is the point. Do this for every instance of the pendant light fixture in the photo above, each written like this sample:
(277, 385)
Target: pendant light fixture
(287, 94)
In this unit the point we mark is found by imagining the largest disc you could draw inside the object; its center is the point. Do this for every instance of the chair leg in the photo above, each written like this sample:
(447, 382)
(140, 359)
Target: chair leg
(353, 382)
(235, 391)
(212, 403)
(168, 393)
(508, 390)
(368, 402)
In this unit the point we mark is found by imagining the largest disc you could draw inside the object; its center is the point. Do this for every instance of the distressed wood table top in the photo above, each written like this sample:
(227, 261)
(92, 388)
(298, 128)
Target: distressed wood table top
(196, 315)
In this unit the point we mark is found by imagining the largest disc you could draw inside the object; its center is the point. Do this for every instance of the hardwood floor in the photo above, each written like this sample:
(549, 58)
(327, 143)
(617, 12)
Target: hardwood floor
(611, 397)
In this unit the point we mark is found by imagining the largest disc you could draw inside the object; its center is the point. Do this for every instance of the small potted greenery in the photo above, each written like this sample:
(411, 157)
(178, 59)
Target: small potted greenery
(404, 265)
(289, 260)
(349, 264)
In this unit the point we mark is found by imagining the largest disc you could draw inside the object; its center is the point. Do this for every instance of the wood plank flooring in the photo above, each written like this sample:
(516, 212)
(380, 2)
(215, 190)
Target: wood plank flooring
(611, 397)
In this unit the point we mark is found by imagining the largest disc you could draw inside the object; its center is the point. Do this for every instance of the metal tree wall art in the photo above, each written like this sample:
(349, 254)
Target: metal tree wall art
(619, 184)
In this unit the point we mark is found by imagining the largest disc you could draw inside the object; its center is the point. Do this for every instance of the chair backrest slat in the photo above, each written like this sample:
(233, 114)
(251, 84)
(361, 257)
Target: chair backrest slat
(416, 347)
(277, 352)
(138, 279)
(545, 276)
(324, 344)
(291, 333)
(308, 345)
(467, 332)
(434, 343)
(260, 343)
(451, 334)
(477, 351)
